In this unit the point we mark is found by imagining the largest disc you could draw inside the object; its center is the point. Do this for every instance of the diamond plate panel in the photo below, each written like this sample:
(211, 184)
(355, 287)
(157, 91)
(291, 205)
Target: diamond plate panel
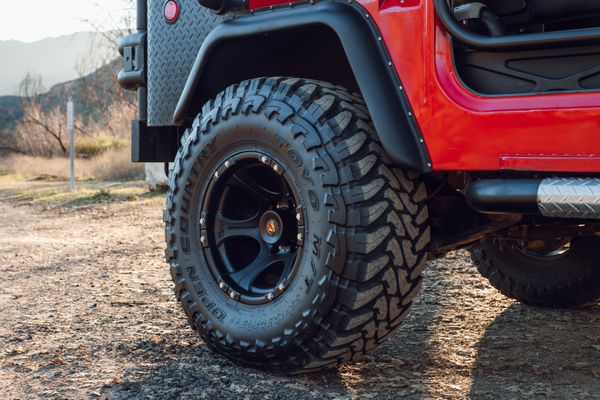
(172, 50)
(570, 198)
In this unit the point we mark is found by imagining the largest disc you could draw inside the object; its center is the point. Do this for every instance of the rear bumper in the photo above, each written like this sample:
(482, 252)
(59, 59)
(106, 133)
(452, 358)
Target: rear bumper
(152, 143)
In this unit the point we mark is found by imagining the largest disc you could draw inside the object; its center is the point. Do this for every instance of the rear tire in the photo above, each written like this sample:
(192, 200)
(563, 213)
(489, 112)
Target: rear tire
(568, 280)
(364, 229)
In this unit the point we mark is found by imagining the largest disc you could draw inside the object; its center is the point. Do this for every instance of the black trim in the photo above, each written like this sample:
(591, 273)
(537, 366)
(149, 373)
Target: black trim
(221, 7)
(133, 49)
(513, 42)
(370, 62)
(530, 72)
(504, 196)
(141, 21)
(152, 143)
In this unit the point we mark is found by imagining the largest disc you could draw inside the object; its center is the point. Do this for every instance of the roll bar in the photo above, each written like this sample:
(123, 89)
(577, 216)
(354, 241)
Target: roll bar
(513, 42)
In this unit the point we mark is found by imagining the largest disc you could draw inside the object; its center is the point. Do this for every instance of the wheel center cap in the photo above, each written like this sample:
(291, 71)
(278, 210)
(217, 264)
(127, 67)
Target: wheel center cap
(271, 227)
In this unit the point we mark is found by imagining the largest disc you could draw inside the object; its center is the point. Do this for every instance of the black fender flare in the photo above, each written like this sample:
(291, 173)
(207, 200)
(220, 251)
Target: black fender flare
(367, 55)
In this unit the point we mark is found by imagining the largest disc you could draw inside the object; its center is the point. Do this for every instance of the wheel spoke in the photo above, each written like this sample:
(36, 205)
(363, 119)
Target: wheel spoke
(285, 198)
(246, 276)
(288, 261)
(226, 228)
(246, 182)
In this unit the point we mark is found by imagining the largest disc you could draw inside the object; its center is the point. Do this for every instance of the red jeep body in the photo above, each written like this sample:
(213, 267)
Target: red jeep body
(537, 130)
(464, 131)
(344, 143)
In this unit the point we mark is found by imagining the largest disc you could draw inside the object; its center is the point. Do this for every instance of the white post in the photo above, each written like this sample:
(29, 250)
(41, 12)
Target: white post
(71, 127)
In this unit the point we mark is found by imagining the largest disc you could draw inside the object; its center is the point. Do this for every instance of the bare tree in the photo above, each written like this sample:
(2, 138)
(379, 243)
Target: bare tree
(39, 131)
(104, 107)
(101, 91)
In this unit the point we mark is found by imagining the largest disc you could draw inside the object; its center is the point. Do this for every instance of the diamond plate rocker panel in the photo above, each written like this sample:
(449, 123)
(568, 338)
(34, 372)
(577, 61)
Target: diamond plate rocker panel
(569, 198)
(172, 49)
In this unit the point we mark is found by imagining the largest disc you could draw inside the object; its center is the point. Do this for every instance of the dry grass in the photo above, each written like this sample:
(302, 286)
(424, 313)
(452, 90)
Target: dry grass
(55, 194)
(112, 165)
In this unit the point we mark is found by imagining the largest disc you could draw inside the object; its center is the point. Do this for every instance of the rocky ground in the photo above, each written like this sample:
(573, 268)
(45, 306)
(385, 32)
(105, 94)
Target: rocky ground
(87, 311)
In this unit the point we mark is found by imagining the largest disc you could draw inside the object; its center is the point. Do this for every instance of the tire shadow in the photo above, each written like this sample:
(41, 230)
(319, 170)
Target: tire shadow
(183, 367)
(530, 352)
(399, 368)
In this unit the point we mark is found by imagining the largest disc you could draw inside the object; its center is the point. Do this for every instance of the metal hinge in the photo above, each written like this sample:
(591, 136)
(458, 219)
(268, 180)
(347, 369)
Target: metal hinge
(133, 50)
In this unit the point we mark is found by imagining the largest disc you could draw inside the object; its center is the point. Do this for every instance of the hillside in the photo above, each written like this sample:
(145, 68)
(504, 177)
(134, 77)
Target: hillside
(56, 60)
(92, 94)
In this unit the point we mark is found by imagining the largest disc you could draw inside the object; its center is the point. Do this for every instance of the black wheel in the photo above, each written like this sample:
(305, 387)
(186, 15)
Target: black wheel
(293, 242)
(560, 273)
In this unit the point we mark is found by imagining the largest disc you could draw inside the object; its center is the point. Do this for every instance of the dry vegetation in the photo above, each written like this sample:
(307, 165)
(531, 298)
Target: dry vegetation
(39, 143)
(111, 165)
(52, 194)
(37, 146)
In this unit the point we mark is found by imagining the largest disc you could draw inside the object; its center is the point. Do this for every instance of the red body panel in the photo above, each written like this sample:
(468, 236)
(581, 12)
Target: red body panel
(464, 131)
(256, 4)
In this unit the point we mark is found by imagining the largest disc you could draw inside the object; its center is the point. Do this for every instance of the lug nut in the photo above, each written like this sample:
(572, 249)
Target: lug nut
(299, 236)
(233, 295)
(276, 168)
(227, 164)
(202, 222)
(299, 217)
(203, 240)
(217, 174)
(222, 285)
(281, 287)
(264, 160)
(270, 296)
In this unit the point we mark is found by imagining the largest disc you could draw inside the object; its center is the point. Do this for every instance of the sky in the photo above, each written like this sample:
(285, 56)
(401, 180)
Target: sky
(32, 20)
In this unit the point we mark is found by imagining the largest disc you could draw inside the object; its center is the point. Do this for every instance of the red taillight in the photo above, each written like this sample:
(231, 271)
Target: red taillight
(171, 11)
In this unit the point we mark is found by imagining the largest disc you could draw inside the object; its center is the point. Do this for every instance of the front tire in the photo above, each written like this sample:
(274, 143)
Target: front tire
(557, 279)
(356, 228)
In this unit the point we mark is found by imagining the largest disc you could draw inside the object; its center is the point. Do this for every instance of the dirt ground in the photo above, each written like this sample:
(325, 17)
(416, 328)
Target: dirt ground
(87, 311)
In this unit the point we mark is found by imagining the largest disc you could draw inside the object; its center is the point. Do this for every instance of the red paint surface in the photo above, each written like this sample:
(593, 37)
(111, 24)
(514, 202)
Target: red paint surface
(399, 3)
(464, 131)
(580, 163)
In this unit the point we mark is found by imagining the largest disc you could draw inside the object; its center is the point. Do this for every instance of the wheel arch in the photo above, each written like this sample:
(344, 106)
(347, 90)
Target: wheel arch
(295, 42)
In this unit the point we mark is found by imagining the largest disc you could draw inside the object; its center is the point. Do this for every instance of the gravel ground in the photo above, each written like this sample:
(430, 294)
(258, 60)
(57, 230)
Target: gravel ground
(87, 311)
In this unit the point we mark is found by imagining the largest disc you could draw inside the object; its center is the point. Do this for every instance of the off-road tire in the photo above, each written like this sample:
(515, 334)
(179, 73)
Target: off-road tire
(572, 280)
(366, 241)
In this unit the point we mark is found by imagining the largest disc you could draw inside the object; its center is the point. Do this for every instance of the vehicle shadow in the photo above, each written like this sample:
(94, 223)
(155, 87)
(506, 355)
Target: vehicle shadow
(530, 352)
(461, 340)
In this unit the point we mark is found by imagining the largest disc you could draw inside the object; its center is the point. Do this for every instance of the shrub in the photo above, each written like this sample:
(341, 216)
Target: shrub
(92, 146)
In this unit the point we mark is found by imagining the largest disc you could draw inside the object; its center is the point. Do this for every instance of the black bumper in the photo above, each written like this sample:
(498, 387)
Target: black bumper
(154, 144)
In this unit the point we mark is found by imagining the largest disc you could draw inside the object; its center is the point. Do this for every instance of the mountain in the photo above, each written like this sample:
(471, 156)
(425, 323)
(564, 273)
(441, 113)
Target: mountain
(55, 60)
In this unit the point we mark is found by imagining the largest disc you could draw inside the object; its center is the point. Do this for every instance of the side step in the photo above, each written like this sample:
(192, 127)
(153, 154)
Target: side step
(552, 197)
